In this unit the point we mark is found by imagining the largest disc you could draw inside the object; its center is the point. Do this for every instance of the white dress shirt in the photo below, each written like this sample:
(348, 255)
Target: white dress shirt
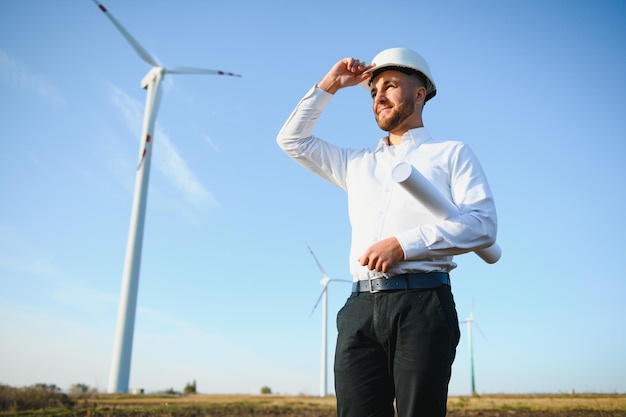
(380, 208)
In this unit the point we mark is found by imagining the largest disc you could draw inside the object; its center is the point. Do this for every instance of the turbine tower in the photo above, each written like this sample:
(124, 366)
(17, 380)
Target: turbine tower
(470, 321)
(324, 297)
(120, 366)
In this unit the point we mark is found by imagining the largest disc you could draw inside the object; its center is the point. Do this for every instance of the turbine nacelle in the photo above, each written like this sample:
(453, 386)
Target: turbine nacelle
(154, 74)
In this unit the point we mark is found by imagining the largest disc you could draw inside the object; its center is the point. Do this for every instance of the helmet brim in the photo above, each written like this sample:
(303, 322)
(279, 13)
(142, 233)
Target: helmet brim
(431, 90)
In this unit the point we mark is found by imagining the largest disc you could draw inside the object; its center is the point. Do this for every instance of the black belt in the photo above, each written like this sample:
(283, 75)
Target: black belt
(402, 282)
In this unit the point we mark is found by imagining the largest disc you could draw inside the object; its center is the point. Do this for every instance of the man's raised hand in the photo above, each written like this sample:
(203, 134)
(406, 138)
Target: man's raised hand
(345, 73)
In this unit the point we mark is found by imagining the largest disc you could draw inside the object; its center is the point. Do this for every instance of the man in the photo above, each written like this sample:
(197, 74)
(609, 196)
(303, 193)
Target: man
(398, 330)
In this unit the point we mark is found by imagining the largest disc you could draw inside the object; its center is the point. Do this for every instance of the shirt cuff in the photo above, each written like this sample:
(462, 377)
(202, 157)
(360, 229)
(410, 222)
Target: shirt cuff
(319, 98)
(411, 244)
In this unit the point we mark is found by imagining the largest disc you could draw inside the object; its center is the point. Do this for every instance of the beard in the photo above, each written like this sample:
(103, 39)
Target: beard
(399, 114)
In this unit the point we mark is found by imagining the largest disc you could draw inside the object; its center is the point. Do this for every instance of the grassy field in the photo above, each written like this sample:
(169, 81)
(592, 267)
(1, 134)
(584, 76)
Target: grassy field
(105, 405)
(496, 401)
(541, 402)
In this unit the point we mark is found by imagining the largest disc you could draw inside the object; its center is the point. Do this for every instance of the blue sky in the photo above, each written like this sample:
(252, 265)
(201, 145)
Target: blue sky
(227, 284)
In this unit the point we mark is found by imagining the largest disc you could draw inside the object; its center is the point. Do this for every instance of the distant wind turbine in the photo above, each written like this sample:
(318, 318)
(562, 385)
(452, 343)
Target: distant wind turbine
(122, 349)
(324, 297)
(470, 321)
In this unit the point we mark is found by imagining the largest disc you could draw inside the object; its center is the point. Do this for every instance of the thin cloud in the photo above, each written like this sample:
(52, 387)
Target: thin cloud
(167, 158)
(37, 267)
(14, 73)
(207, 139)
(176, 169)
(85, 299)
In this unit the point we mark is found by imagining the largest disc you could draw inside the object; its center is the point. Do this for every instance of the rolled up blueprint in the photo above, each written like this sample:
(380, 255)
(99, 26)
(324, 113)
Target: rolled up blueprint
(419, 187)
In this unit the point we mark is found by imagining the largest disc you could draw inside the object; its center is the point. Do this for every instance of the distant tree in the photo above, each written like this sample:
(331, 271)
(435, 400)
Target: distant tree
(46, 387)
(171, 392)
(190, 388)
(79, 389)
(35, 397)
(266, 390)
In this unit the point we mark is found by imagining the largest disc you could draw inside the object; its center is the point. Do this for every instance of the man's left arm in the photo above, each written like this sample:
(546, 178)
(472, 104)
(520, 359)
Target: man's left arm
(474, 227)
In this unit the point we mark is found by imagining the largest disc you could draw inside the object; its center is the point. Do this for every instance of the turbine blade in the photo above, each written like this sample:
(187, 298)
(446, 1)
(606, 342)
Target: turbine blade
(191, 70)
(317, 262)
(480, 331)
(133, 42)
(318, 300)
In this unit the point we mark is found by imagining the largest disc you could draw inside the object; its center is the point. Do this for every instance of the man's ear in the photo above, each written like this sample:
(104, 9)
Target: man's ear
(420, 94)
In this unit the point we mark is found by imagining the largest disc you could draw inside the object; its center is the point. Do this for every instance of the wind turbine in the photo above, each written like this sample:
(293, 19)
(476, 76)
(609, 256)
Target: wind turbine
(470, 321)
(324, 297)
(122, 349)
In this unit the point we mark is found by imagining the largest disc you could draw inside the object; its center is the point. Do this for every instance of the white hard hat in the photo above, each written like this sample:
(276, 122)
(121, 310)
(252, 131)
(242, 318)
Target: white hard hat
(402, 58)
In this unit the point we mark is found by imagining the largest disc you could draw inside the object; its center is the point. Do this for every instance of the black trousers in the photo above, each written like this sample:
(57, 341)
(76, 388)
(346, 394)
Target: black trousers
(398, 346)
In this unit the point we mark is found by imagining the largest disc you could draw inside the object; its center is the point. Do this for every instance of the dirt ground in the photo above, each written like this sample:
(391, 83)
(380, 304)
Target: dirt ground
(282, 411)
(287, 412)
(528, 413)
(452, 413)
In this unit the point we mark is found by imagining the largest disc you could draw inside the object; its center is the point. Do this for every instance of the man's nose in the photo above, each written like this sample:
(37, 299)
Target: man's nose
(380, 98)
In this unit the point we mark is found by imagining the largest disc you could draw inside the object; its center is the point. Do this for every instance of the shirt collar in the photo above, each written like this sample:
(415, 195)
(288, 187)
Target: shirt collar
(418, 136)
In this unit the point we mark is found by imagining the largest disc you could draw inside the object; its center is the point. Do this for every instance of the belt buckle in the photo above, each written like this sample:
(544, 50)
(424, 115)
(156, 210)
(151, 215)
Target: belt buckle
(371, 285)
